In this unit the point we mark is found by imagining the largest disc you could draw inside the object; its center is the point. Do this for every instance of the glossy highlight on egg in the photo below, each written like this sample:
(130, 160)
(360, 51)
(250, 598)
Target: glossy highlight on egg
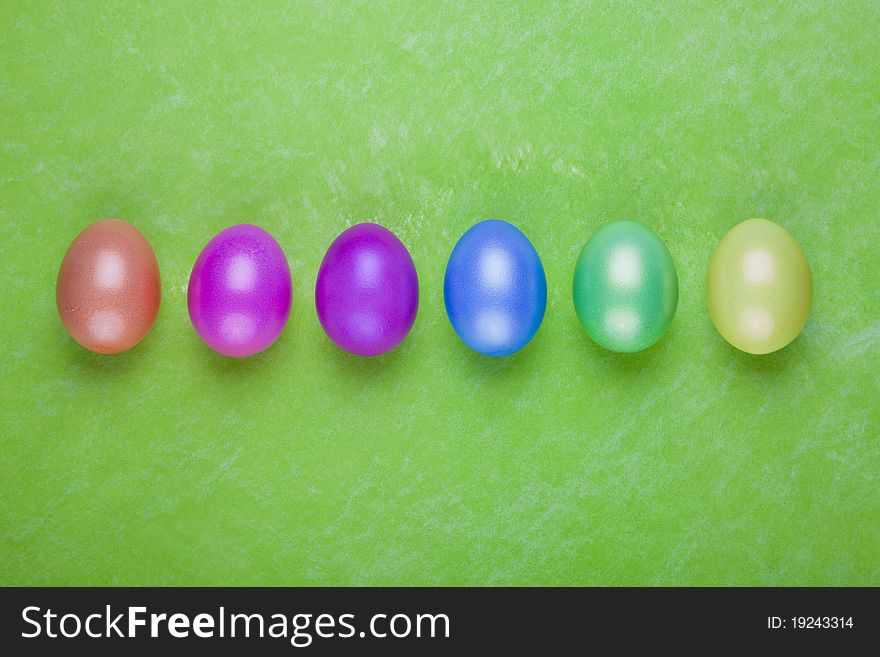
(495, 289)
(240, 291)
(108, 289)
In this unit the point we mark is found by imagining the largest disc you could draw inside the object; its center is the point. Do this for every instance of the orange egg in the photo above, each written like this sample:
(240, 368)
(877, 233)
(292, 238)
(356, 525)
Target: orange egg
(108, 289)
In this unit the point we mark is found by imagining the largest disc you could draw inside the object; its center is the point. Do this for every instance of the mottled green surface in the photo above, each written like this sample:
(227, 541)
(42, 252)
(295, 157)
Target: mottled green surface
(689, 463)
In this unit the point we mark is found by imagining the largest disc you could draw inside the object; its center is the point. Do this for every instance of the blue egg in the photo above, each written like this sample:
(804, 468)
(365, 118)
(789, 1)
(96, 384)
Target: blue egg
(495, 288)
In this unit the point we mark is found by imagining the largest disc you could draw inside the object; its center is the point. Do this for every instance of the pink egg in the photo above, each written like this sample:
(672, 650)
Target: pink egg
(239, 293)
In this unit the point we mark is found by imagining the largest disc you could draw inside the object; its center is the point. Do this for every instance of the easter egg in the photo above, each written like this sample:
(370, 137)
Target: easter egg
(240, 291)
(367, 291)
(108, 289)
(759, 287)
(495, 288)
(625, 287)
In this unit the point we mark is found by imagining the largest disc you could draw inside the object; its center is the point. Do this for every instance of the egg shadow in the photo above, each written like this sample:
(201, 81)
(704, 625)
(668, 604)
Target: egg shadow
(245, 368)
(773, 364)
(357, 369)
(625, 363)
(510, 368)
(108, 366)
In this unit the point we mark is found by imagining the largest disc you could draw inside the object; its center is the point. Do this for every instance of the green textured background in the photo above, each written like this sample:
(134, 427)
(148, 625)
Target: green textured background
(690, 463)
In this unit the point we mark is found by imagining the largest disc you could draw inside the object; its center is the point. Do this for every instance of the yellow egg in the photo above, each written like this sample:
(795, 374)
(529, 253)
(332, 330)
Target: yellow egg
(759, 287)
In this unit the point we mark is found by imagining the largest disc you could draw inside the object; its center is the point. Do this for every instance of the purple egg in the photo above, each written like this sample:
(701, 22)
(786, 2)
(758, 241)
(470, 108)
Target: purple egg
(367, 292)
(240, 292)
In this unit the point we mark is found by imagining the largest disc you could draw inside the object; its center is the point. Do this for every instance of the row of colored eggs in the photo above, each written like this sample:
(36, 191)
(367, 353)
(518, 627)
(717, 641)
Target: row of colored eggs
(625, 288)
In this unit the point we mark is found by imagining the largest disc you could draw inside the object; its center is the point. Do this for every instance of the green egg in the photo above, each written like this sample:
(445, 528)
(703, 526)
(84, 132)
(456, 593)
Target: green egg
(625, 287)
